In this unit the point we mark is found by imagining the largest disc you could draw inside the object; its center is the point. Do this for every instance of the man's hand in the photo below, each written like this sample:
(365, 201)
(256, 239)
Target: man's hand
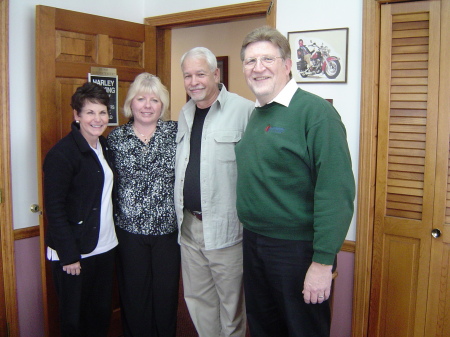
(73, 269)
(317, 285)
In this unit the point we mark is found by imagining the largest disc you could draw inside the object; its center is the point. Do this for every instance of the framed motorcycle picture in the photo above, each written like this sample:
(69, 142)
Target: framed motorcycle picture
(319, 56)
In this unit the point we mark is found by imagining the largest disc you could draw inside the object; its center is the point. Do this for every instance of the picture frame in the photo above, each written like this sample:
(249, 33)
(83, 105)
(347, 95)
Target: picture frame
(328, 50)
(222, 64)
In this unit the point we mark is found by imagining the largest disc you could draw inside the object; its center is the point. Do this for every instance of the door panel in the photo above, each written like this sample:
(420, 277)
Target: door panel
(68, 44)
(406, 168)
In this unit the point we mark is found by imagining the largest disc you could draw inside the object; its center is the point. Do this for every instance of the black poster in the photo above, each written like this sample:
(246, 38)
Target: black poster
(110, 84)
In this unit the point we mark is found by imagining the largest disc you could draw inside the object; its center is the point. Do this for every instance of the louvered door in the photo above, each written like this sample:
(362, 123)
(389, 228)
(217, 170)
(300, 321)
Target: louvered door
(407, 163)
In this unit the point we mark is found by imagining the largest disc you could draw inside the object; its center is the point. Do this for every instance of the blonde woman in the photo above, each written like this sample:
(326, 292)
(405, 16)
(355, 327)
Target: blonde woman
(149, 256)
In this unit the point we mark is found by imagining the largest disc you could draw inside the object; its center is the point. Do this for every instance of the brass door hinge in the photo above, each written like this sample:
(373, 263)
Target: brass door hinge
(270, 8)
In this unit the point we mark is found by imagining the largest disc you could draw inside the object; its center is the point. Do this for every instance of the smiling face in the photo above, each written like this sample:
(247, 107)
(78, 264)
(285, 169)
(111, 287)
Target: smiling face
(93, 119)
(266, 82)
(146, 108)
(200, 83)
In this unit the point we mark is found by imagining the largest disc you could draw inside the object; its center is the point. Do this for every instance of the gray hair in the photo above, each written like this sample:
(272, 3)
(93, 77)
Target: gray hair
(201, 52)
(146, 83)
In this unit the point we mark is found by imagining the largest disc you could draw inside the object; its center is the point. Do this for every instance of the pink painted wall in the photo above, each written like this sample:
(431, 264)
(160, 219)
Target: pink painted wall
(341, 324)
(29, 291)
(29, 287)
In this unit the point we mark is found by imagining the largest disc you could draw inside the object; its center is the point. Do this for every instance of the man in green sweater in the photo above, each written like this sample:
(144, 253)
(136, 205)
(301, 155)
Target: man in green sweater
(295, 193)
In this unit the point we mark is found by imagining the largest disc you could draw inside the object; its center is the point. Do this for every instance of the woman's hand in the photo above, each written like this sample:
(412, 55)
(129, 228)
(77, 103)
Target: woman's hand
(73, 269)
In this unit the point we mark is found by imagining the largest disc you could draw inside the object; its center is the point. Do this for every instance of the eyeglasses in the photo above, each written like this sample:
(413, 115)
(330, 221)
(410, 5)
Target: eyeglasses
(267, 61)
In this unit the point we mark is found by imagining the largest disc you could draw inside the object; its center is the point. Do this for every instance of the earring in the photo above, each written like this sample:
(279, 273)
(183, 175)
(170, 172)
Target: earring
(78, 122)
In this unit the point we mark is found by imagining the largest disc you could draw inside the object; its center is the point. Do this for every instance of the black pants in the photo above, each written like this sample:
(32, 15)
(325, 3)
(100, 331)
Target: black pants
(274, 272)
(149, 272)
(85, 300)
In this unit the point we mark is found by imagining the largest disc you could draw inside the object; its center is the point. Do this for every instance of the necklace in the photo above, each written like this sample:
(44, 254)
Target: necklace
(145, 138)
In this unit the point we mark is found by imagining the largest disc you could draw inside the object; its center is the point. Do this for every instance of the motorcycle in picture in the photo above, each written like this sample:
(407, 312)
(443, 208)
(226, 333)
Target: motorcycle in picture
(321, 63)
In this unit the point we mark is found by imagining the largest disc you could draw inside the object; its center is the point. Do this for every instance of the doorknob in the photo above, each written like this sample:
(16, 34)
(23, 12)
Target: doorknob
(35, 208)
(435, 233)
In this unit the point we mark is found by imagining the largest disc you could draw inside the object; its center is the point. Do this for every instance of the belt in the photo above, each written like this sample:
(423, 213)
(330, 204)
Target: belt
(197, 214)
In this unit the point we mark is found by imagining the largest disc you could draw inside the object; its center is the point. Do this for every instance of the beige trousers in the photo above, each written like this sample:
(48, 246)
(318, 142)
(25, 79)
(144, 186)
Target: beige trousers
(308, 60)
(213, 285)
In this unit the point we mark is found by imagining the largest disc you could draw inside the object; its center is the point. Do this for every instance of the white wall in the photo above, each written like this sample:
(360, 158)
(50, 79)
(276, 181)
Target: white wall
(291, 16)
(295, 16)
(22, 90)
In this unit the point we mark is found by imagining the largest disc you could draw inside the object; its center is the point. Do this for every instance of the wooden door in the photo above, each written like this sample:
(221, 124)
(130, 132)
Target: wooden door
(68, 44)
(408, 298)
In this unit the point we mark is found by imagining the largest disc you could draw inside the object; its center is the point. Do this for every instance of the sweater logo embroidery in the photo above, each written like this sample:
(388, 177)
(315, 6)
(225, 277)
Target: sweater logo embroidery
(274, 129)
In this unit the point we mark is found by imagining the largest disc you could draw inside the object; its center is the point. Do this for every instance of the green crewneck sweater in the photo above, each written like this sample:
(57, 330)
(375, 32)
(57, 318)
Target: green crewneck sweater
(295, 179)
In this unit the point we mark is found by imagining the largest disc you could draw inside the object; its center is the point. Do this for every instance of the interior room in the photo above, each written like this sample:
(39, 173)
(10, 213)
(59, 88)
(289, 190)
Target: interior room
(392, 96)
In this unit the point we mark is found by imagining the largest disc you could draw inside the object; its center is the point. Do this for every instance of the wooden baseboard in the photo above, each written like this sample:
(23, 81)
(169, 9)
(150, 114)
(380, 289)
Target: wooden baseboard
(29, 232)
(25, 233)
(348, 246)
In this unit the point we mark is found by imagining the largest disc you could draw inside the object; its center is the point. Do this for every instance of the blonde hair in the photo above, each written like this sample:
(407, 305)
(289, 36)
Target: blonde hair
(146, 83)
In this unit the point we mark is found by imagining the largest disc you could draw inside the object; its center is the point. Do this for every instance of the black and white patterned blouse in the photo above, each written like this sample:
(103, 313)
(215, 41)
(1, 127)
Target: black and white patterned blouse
(146, 176)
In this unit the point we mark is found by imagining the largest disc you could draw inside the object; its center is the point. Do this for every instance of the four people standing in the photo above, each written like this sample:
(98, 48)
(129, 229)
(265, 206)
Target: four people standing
(295, 193)
(209, 126)
(149, 255)
(290, 176)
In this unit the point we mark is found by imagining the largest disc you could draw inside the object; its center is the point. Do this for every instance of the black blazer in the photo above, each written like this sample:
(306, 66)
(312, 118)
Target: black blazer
(73, 185)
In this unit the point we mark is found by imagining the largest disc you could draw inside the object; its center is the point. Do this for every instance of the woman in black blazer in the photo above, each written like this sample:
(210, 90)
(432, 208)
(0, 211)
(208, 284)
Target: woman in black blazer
(81, 239)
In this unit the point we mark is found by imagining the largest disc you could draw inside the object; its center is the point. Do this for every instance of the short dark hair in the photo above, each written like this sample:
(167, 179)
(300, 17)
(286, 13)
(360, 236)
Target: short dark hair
(91, 92)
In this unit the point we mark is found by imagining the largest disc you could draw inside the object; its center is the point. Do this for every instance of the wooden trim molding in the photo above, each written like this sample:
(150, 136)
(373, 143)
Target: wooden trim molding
(6, 222)
(367, 167)
(213, 15)
(348, 246)
(29, 232)
(25, 233)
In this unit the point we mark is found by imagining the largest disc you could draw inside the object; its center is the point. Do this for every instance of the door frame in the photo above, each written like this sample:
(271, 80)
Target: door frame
(367, 166)
(161, 27)
(9, 300)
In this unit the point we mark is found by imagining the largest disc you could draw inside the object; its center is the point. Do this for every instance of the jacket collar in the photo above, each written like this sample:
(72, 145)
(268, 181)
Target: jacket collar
(81, 142)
